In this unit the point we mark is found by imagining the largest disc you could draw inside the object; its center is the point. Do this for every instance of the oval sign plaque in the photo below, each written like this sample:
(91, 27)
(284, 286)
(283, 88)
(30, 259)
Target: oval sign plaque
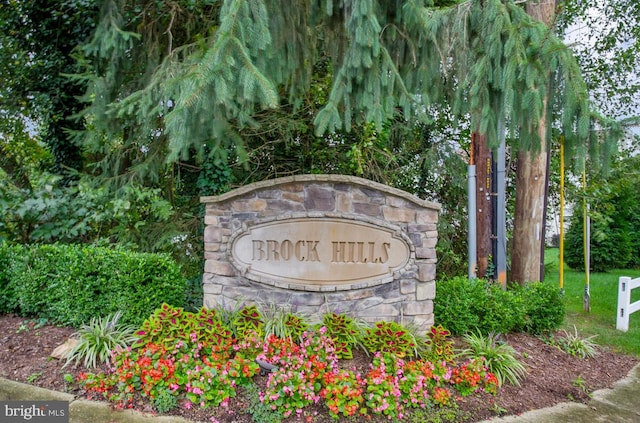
(319, 251)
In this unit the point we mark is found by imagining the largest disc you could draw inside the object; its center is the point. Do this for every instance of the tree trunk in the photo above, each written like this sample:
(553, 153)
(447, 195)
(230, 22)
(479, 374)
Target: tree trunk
(531, 179)
(528, 220)
(484, 212)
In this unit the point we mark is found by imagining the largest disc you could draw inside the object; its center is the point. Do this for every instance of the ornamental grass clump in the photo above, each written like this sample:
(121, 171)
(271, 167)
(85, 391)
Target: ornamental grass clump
(282, 323)
(97, 339)
(574, 344)
(499, 357)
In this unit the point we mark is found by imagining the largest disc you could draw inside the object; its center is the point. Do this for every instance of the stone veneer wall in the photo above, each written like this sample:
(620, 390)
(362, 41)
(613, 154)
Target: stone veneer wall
(408, 296)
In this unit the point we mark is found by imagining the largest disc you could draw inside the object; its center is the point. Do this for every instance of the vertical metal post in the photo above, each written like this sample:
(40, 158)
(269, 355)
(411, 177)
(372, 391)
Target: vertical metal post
(471, 210)
(500, 255)
(587, 245)
(561, 235)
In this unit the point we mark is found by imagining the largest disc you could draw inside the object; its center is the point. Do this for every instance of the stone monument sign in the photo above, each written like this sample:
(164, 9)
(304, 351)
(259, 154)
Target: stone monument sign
(323, 243)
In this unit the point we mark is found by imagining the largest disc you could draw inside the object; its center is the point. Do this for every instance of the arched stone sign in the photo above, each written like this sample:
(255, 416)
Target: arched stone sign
(323, 243)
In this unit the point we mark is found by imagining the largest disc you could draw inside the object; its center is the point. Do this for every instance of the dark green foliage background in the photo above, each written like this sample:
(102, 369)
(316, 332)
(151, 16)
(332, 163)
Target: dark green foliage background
(610, 248)
(614, 212)
(70, 284)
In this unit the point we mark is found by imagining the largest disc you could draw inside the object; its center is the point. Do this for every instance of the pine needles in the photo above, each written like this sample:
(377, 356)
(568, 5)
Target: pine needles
(201, 83)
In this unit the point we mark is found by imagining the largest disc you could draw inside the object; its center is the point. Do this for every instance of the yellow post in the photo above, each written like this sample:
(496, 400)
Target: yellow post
(561, 213)
(586, 242)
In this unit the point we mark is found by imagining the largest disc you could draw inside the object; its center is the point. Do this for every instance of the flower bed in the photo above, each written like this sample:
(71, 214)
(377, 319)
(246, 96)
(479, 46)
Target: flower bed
(192, 360)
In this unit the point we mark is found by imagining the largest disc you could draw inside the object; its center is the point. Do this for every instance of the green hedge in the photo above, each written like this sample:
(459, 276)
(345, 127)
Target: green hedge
(70, 284)
(465, 306)
(10, 257)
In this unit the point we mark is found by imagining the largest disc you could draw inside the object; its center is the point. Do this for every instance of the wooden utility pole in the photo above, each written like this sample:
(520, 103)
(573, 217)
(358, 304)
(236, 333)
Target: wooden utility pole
(484, 209)
(531, 178)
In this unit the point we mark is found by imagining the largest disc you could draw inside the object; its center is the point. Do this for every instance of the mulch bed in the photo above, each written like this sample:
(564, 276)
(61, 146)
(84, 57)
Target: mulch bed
(554, 376)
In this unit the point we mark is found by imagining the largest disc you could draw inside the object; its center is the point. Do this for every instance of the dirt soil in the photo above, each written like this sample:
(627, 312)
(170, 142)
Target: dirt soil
(553, 376)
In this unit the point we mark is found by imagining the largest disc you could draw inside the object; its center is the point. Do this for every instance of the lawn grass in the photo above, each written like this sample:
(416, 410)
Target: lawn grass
(601, 320)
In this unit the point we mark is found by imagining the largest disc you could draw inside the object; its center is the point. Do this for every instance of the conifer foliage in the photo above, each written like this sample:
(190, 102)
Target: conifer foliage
(171, 80)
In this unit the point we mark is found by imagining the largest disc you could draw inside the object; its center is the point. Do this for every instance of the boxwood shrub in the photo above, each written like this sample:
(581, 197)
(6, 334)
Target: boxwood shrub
(467, 306)
(10, 256)
(70, 284)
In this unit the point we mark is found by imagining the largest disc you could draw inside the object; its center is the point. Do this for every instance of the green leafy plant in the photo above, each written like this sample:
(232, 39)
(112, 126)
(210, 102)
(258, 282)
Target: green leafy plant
(448, 414)
(211, 383)
(260, 411)
(248, 320)
(581, 384)
(228, 314)
(499, 357)
(169, 324)
(419, 339)
(68, 381)
(295, 326)
(544, 307)
(10, 256)
(440, 345)
(97, 339)
(497, 409)
(33, 377)
(501, 311)
(345, 331)
(613, 225)
(198, 373)
(574, 344)
(455, 303)
(165, 401)
(390, 337)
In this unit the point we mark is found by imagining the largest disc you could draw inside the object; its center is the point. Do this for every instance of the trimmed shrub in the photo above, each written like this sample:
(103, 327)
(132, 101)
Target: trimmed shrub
(502, 311)
(9, 256)
(544, 307)
(468, 306)
(71, 284)
(455, 306)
